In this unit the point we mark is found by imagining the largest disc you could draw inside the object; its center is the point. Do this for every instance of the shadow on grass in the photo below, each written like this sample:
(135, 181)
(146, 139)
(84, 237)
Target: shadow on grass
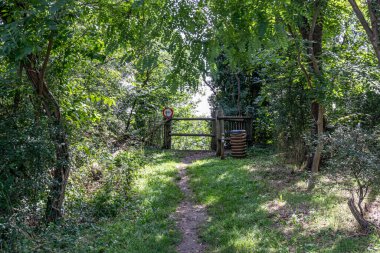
(146, 226)
(143, 225)
(256, 206)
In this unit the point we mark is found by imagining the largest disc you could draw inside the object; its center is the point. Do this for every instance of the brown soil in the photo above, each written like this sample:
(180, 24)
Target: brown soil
(189, 215)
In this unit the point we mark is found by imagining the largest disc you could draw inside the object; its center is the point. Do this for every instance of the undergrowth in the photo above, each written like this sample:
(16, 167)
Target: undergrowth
(122, 207)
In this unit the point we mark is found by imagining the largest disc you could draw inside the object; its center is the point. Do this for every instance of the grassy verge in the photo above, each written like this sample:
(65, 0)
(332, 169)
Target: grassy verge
(256, 205)
(144, 225)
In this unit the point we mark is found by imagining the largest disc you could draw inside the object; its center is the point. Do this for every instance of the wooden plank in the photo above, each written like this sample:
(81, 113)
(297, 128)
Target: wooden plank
(234, 117)
(235, 120)
(204, 135)
(193, 119)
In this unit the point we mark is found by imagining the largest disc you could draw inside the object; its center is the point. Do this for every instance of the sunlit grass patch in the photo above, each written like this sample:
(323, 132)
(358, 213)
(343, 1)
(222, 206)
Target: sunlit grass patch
(147, 226)
(257, 205)
(143, 225)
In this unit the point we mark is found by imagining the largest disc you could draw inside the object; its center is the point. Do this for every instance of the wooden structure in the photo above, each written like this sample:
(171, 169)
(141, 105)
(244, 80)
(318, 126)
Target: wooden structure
(221, 127)
(238, 143)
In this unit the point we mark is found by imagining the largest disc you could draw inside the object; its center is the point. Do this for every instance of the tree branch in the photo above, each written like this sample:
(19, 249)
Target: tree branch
(317, 10)
(46, 60)
(374, 24)
(361, 18)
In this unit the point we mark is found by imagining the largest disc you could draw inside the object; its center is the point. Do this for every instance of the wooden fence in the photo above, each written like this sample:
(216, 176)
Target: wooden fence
(220, 130)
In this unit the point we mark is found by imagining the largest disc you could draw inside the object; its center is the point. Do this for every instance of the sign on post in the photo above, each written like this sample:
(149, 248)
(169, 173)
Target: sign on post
(168, 113)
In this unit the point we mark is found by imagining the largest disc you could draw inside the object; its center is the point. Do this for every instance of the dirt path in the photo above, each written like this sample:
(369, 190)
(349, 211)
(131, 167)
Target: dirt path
(189, 215)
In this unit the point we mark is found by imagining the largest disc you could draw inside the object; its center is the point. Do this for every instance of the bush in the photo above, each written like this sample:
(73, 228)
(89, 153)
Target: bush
(355, 157)
(113, 193)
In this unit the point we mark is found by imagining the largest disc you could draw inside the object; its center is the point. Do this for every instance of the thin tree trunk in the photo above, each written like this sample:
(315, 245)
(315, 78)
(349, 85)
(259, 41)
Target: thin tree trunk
(36, 75)
(318, 151)
(239, 94)
(312, 33)
(130, 116)
(364, 224)
(60, 172)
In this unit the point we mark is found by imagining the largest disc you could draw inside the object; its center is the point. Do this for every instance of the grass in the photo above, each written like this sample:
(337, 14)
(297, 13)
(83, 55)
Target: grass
(253, 204)
(147, 226)
(144, 226)
(256, 205)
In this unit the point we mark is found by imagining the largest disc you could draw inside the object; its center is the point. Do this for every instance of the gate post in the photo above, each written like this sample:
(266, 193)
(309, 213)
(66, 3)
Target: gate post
(219, 133)
(167, 136)
(213, 127)
(249, 130)
(221, 122)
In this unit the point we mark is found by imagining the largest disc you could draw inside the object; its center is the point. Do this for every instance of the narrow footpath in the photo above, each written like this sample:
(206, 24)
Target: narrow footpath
(189, 215)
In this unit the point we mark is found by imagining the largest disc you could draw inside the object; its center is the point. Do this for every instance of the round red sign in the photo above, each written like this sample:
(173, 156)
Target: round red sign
(168, 113)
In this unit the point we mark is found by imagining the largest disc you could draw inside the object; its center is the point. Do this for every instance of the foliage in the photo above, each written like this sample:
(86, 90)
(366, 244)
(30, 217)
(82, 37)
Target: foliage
(144, 223)
(108, 67)
(355, 158)
(26, 155)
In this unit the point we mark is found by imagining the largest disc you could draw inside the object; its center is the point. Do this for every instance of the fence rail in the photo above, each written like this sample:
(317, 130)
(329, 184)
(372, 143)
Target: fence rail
(204, 135)
(193, 119)
(221, 126)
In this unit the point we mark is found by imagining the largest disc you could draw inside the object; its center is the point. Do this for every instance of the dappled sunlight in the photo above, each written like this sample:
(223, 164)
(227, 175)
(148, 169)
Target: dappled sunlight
(155, 198)
(257, 204)
(253, 239)
(211, 200)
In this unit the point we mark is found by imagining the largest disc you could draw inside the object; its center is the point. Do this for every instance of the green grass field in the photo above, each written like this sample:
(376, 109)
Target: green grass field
(256, 205)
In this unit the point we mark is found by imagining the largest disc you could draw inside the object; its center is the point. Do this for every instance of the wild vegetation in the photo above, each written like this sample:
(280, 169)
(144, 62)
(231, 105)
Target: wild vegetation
(82, 86)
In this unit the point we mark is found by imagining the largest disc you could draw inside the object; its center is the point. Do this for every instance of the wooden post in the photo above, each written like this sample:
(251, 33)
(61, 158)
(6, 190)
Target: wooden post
(249, 130)
(213, 127)
(167, 136)
(218, 133)
(221, 129)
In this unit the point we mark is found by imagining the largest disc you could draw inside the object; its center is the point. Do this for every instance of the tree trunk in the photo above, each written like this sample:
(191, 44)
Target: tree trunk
(318, 151)
(36, 75)
(60, 172)
(364, 224)
(313, 34)
(130, 116)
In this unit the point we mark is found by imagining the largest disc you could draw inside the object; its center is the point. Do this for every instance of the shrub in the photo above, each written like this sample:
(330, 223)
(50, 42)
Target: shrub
(113, 193)
(355, 157)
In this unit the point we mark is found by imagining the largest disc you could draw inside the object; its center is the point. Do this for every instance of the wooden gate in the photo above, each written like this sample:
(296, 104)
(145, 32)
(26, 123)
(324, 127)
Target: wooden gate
(221, 126)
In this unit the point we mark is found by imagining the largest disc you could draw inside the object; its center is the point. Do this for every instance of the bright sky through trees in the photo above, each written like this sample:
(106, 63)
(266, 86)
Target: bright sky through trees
(201, 100)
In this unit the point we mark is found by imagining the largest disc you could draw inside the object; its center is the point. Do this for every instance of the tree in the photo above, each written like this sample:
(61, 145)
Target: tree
(54, 44)
(373, 29)
(31, 50)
